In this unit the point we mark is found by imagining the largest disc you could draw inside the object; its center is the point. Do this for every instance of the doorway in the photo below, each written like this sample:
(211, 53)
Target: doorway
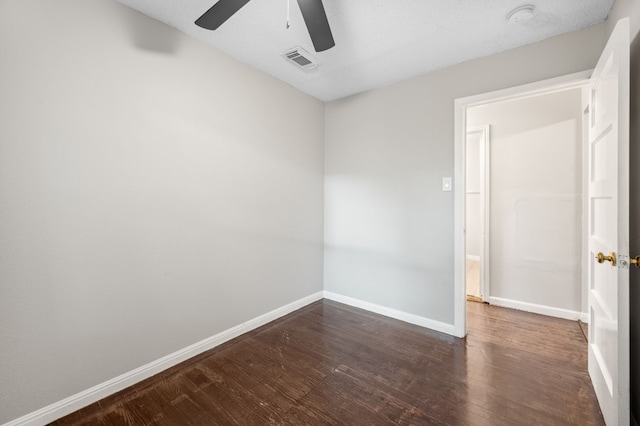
(477, 218)
(529, 209)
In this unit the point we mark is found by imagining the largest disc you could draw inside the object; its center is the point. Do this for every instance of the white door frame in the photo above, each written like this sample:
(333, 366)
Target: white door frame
(485, 190)
(570, 81)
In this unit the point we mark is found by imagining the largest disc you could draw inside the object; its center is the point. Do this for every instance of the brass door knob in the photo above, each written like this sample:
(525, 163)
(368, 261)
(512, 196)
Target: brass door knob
(635, 261)
(601, 258)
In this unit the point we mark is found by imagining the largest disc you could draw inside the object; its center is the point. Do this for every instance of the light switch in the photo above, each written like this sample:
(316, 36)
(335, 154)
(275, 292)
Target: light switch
(446, 184)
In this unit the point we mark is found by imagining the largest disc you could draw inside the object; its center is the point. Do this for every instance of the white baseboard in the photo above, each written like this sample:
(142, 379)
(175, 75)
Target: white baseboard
(536, 309)
(392, 313)
(584, 317)
(75, 402)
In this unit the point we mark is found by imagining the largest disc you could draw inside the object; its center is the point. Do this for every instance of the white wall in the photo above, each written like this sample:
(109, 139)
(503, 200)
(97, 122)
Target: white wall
(388, 226)
(153, 193)
(536, 202)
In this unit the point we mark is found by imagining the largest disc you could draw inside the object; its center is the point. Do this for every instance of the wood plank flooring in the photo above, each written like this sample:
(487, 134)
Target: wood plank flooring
(330, 364)
(473, 280)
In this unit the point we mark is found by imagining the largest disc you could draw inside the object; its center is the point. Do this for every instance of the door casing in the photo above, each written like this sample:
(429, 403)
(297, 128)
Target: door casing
(576, 80)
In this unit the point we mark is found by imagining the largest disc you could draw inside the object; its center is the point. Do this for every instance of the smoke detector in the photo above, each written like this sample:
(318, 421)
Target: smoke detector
(521, 14)
(301, 58)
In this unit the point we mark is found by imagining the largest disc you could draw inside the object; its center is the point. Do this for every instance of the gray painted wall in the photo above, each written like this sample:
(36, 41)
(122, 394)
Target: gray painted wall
(153, 192)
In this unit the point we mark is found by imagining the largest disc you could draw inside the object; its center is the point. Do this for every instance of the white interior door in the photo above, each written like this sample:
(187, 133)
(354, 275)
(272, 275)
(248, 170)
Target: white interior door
(608, 196)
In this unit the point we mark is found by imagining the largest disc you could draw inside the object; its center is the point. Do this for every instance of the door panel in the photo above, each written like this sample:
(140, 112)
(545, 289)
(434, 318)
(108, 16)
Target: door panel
(609, 228)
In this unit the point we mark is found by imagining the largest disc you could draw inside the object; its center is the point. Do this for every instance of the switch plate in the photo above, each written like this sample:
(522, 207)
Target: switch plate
(446, 184)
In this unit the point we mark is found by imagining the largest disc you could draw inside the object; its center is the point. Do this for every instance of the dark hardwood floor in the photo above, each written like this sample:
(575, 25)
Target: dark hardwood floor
(330, 364)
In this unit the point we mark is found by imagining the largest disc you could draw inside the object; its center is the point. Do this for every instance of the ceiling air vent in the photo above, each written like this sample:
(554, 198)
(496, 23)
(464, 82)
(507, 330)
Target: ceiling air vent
(301, 58)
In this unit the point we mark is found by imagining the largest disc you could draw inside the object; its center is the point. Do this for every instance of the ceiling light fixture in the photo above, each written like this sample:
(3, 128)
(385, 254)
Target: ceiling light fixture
(521, 14)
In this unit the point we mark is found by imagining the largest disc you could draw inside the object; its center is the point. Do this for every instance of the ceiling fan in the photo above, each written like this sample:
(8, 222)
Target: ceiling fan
(312, 11)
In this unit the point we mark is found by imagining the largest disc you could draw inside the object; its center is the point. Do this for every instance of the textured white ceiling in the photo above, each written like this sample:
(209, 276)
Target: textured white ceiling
(377, 42)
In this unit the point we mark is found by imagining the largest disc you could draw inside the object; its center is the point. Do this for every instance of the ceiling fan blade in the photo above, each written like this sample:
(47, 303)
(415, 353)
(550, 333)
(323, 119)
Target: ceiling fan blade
(219, 13)
(316, 19)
